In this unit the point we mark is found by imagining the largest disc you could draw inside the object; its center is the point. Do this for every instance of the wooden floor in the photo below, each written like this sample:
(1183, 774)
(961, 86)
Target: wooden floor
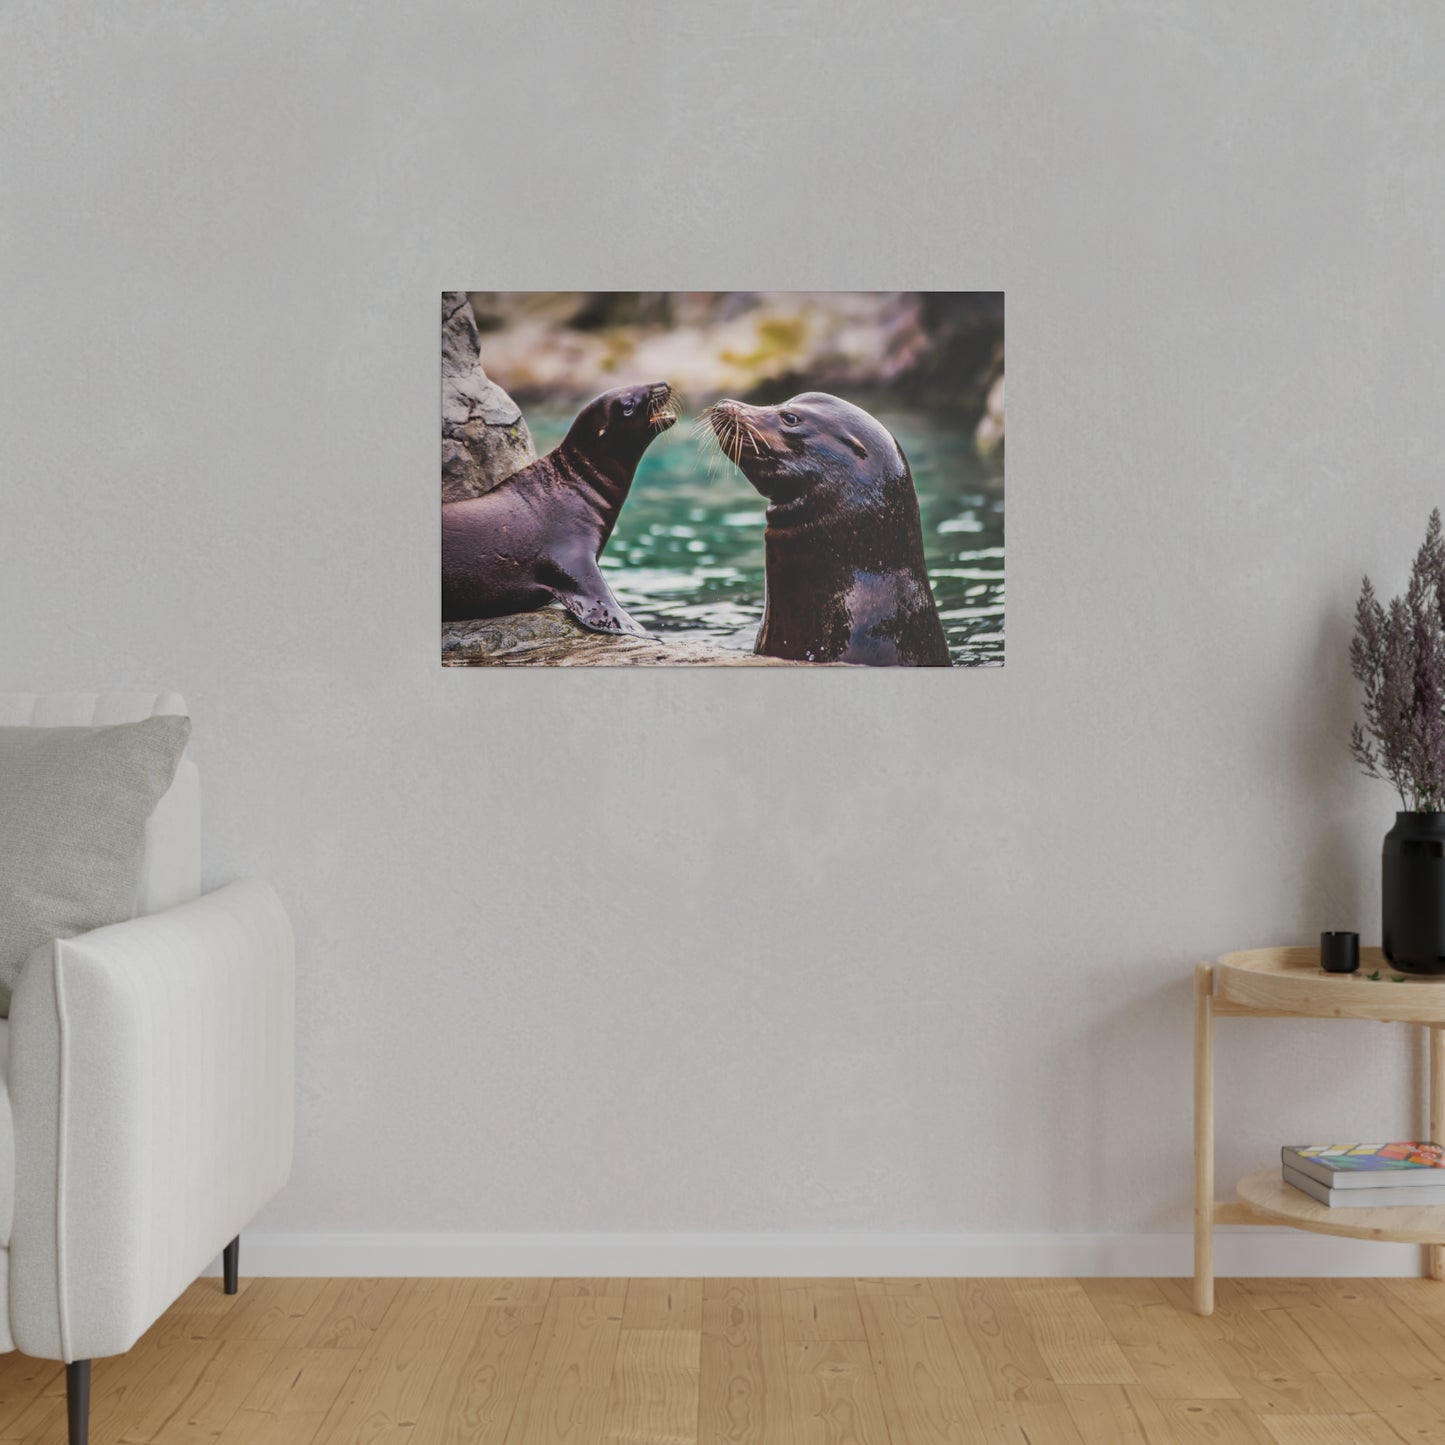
(765, 1362)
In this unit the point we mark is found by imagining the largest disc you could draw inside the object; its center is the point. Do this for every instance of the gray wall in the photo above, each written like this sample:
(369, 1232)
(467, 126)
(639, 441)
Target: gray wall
(745, 950)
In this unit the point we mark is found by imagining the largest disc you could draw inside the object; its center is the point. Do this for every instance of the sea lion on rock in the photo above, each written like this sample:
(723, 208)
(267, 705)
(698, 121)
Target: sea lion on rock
(846, 580)
(536, 537)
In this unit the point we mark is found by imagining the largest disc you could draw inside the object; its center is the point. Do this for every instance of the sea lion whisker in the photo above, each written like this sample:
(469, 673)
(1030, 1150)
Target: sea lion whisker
(705, 432)
(664, 409)
(731, 431)
(745, 431)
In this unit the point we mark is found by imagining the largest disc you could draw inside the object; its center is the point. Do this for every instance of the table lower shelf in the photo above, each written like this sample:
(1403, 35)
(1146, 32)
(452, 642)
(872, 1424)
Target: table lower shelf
(1268, 1197)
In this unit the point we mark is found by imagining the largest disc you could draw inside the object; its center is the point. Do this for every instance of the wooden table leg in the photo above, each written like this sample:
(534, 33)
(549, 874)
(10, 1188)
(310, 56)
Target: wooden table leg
(1204, 1138)
(1435, 1253)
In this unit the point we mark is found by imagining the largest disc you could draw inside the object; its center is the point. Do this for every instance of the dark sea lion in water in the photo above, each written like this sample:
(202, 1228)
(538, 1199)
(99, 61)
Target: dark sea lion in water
(536, 537)
(846, 580)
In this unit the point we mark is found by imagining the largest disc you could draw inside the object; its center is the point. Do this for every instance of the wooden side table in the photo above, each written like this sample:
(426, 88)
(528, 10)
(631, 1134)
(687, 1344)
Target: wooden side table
(1289, 983)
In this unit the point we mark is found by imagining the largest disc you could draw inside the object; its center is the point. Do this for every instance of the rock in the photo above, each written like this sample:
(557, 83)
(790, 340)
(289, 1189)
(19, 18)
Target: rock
(989, 434)
(551, 636)
(484, 438)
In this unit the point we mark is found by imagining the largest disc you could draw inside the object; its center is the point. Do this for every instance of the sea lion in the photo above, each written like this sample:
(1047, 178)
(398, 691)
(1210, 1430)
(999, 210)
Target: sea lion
(845, 576)
(536, 537)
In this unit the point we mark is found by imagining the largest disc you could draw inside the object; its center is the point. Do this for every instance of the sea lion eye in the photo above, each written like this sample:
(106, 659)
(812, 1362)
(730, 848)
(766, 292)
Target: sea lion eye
(791, 418)
(628, 408)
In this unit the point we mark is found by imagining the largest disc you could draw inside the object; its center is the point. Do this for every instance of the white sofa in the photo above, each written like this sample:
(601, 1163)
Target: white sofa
(148, 1072)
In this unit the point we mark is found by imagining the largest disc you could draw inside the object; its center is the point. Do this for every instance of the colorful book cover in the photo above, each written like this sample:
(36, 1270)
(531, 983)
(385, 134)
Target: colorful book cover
(1365, 1158)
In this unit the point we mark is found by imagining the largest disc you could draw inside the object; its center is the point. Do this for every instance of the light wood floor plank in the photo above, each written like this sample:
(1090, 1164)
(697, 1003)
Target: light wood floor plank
(513, 1291)
(271, 1309)
(23, 1380)
(663, 1304)
(1107, 1413)
(654, 1388)
(1205, 1422)
(1279, 1324)
(230, 1375)
(346, 1316)
(478, 1387)
(1074, 1342)
(821, 1309)
(925, 1397)
(920, 1287)
(1276, 1293)
(176, 1372)
(1028, 1422)
(45, 1422)
(1330, 1430)
(1268, 1375)
(1413, 1408)
(1164, 1345)
(570, 1376)
(834, 1394)
(995, 1348)
(206, 1297)
(1421, 1312)
(397, 1369)
(595, 1288)
(1320, 1327)
(291, 1398)
(1358, 1305)
(743, 1371)
(43, 1416)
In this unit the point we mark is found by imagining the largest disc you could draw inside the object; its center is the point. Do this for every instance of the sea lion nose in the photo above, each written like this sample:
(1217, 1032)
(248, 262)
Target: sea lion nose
(660, 388)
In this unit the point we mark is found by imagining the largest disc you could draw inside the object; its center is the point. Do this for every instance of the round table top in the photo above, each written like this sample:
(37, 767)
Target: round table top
(1291, 981)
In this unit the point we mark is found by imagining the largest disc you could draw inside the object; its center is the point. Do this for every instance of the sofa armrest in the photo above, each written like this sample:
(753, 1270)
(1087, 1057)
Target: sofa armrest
(151, 1081)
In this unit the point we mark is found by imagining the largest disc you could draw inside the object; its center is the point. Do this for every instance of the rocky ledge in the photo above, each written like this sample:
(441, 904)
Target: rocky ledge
(552, 637)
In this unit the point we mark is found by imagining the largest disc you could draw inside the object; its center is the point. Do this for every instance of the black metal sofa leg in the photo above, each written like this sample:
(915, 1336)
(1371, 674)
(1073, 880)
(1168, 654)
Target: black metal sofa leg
(231, 1264)
(77, 1401)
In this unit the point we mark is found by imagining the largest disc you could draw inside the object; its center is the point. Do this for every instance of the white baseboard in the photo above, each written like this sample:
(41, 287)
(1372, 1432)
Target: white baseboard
(1246, 1252)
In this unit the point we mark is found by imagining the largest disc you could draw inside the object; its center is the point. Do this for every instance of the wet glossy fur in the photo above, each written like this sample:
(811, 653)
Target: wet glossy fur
(846, 580)
(535, 538)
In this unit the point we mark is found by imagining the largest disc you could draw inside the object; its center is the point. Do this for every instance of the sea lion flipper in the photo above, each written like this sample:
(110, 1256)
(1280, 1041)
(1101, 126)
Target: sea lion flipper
(589, 599)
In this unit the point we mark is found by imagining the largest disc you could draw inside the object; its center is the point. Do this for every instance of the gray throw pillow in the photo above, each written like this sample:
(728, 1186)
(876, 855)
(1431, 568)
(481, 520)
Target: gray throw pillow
(73, 809)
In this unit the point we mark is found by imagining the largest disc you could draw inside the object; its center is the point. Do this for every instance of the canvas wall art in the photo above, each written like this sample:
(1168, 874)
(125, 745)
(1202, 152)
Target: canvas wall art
(722, 478)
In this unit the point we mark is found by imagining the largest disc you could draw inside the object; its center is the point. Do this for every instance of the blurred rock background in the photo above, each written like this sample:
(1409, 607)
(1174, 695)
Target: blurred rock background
(939, 350)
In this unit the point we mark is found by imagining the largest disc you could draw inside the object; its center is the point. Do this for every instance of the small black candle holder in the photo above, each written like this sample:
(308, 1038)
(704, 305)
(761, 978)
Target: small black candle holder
(1340, 952)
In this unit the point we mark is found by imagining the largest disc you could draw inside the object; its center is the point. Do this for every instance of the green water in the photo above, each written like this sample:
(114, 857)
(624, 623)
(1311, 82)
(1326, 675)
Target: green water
(687, 554)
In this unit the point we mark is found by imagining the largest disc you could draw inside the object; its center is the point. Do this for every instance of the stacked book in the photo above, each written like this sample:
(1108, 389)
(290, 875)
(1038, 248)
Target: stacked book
(1367, 1176)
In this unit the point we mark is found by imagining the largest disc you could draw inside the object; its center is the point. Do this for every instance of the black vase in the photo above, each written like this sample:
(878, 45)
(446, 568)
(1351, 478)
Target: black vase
(1414, 893)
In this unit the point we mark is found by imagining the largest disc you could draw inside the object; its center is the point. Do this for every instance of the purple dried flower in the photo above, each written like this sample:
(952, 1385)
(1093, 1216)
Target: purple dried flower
(1399, 655)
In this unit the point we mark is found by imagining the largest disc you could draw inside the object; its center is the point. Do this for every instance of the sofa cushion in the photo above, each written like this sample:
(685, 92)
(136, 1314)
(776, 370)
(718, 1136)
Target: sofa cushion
(171, 873)
(74, 802)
